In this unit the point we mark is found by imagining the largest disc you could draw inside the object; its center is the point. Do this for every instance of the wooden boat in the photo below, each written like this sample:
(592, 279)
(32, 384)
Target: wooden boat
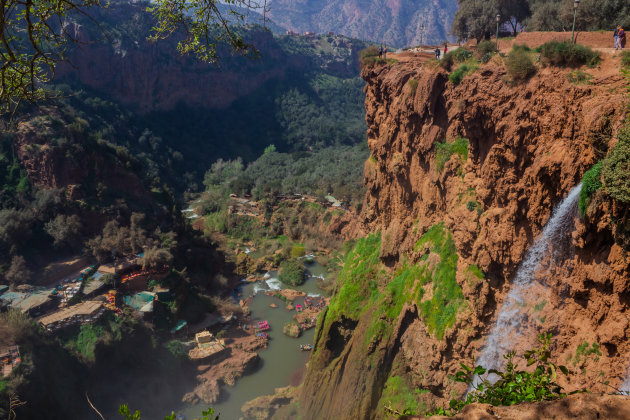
(306, 347)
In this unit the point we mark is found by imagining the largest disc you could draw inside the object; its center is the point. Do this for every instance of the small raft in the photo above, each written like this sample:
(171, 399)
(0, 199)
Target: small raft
(306, 347)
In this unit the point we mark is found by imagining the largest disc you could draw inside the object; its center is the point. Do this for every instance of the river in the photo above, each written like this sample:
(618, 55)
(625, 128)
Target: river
(282, 363)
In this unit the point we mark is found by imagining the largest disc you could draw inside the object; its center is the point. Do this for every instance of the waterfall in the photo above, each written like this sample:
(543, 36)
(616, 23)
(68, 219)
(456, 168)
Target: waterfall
(512, 314)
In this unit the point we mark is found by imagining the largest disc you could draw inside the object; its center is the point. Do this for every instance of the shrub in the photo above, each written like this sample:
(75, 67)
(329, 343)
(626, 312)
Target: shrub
(591, 182)
(458, 56)
(485, 47)
(457, 76)
(563, 54)
(368, 56)
(625, 58)
(521, 47)
(520, 65)
(616, 169)
(292, 272)
(514, 386)
(444, 151)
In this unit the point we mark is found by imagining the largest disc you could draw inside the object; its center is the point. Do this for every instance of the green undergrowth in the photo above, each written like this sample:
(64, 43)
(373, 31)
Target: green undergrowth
(445, 150)
(462, 70)
(564, 54)
(440, 311)
(358, 280)
(615, 170)
(591, 183)
(399, 397)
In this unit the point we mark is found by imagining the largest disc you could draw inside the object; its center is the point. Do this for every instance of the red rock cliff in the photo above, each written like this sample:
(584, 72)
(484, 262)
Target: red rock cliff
(528, 146)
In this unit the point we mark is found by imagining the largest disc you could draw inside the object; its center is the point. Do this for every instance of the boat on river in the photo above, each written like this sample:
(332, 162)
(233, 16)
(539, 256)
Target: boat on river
(306, 347)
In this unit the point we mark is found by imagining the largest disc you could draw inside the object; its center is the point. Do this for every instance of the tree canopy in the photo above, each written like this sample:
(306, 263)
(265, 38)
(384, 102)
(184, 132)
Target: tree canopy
(477, 18)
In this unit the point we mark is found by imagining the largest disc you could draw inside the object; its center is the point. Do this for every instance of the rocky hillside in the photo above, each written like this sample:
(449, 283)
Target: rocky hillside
(461, 181)
(117, 59)
(396, 23)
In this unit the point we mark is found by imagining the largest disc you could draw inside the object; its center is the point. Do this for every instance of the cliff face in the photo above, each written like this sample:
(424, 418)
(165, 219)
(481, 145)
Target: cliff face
(483, 163)
(118, 60)
(396, 23)
(57, 157)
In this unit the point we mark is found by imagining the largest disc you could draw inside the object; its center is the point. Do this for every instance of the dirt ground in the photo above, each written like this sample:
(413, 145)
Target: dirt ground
(55, 272)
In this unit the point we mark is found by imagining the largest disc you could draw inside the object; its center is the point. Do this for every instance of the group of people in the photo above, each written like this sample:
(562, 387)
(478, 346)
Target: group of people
(619, 35)
(438, 52)
(382, 52)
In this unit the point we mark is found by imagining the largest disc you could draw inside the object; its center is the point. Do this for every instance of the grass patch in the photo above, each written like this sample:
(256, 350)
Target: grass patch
(625, 58)
(297, 251)
(584, 351)
(413, 87)
(540, 305)
(616, 170)
(579, 77)
(440, 311)
(563, 54)
(591, 182)
(444, 151)
(464, 69)
(397, 395)
(357, 281)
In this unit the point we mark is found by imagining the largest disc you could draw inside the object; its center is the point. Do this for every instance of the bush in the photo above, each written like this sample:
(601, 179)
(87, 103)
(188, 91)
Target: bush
(563, 54)
(444, 151)
(514, 386)
(625, 58)
(458, 56)
(591, 182)
(457, 76)
(485, 47)
(292, 272)
(616, 170)
(520, 65)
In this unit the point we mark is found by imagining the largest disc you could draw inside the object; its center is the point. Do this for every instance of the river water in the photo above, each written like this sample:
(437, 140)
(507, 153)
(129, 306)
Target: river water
(282, 362)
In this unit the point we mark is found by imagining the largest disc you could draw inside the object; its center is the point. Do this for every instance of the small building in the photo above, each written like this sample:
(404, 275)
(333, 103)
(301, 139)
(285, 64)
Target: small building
(207, 345)
(119, 267)
(84, 312)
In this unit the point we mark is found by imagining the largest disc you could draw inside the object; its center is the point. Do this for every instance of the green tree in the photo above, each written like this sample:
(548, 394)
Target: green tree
(18, 271)
(65, 230)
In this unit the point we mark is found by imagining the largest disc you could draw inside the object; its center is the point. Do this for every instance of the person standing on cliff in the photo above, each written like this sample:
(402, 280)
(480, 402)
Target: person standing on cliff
(437, 53)
(385, 52)
(445, 48)
(616, 36)
(380, 52)
(620, 37)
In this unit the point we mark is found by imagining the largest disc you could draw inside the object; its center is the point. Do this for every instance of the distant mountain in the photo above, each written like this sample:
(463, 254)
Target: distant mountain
(395, 22)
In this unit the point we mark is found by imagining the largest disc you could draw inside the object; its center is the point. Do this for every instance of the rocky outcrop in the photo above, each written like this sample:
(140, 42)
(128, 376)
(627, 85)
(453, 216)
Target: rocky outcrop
(526, 147)
(77, 163)
(582, 407)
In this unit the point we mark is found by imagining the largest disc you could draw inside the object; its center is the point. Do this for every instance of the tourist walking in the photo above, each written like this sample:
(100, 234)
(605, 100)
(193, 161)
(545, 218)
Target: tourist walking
(620, 37)
(445, 48)
(437, 53)
(385, 52)
(380, 52)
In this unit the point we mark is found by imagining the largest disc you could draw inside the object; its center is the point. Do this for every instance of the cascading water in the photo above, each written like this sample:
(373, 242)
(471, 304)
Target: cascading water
(512, 314)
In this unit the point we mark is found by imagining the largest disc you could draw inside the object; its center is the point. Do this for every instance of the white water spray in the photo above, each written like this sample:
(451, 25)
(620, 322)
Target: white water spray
(512, 314)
